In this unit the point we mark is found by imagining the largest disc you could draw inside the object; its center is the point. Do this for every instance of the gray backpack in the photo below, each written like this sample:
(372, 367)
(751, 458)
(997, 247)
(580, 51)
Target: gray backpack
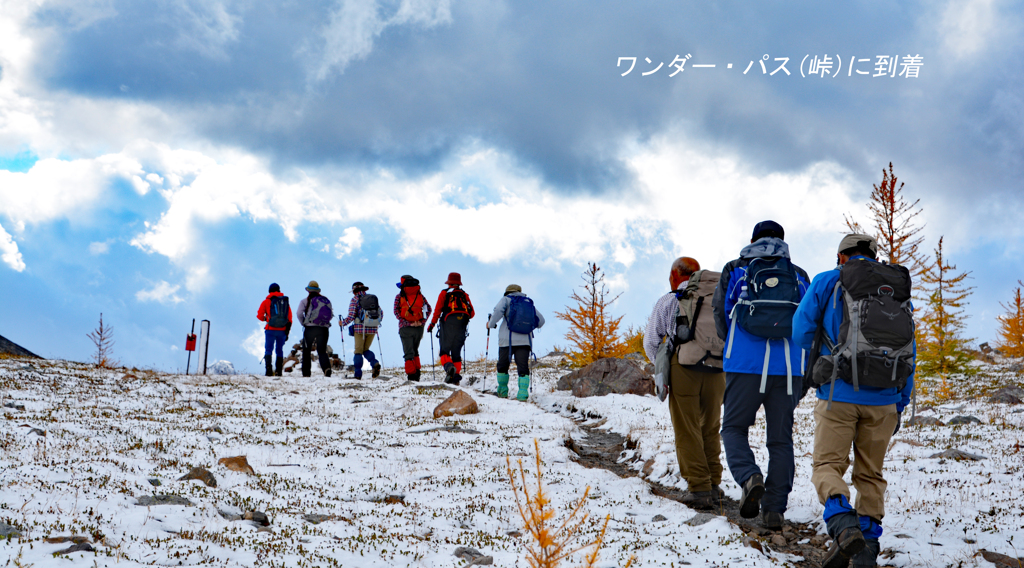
(875, 347)
(696, 337)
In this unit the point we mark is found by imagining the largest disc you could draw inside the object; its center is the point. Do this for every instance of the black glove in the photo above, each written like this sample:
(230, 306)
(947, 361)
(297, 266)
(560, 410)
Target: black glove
(899, 420)
(430, 328)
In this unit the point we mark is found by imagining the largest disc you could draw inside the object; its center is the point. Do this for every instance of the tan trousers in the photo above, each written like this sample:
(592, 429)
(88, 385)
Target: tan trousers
(362, 342)
(695, 404)
(868, 430)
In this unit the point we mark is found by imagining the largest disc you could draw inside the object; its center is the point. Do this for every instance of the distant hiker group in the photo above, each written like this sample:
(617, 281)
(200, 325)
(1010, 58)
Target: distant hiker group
(515, 312)
(769, 336)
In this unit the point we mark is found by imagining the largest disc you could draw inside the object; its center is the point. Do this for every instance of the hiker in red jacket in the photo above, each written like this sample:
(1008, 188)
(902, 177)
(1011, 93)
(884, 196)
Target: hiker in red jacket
(278, 314)
(455, 310)
(412, 311)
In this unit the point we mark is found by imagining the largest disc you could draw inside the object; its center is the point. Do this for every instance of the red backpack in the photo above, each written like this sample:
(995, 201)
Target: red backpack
(411, 310)
(456, 301)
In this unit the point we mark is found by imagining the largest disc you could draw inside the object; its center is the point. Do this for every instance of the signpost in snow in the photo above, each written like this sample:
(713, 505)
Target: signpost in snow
(190, 344)
(204, 345)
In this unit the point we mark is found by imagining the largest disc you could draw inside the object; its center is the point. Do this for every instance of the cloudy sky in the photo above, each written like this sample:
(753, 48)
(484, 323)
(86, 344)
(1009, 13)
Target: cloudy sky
(166, 160)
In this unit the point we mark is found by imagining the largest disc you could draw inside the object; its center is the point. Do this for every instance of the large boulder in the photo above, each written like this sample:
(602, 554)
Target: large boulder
(221, 368)
(606, 376)
(458, 403)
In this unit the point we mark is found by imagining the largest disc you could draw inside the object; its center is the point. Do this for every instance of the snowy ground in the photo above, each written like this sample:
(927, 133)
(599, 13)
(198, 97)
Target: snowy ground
(399, 492)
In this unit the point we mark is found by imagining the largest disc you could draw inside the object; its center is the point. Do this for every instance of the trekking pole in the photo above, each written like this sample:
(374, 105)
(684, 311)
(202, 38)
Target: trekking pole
(483, 388)
(380, 347)
(432, 367)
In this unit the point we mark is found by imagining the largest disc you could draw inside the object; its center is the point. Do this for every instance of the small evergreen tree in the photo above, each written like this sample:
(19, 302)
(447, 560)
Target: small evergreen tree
(1011, 325)
(942, 350)
(592, 330)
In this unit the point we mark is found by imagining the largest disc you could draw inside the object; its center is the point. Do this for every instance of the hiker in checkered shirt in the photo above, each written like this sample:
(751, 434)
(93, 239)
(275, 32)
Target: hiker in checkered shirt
(362, 334)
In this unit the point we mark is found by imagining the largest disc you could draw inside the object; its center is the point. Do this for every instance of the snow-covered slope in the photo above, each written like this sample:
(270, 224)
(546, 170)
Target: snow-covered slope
(359, 473)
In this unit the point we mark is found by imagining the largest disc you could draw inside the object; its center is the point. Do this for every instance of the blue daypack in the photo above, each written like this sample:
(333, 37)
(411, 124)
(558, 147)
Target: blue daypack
(521, 316)
(771, 294)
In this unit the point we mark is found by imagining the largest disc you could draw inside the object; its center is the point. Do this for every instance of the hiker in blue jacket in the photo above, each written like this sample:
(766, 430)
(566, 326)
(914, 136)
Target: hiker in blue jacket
(760, 370)
(863, 418)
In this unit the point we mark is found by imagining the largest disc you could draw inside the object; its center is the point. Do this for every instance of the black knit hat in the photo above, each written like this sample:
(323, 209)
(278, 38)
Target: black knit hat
(274, 288)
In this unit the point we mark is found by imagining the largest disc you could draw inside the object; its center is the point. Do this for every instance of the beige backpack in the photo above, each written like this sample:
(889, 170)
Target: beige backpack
(696, 337)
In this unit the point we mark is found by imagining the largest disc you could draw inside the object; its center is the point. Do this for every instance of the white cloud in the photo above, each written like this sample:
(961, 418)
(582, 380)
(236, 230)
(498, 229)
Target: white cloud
(98, 248)
(351, 240)
(9, 252)
(255, 343)
(355, 24)
(966, 26)
(162, 292)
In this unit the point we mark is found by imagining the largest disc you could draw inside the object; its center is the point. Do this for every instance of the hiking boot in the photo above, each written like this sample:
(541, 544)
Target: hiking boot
(458, 378)
(750, 502)
(415, 377)
(270, 371)
(847, 540)
(502, 390)
(700, 500)
(278, 367)
(449, 375)
(717, 489)
(524, 389)
(868, 557)
(376, 370)
(772, 520)
(327, 372)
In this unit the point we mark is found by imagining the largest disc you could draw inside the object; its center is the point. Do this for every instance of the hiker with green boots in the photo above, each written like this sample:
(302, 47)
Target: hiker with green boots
(365, 312)
(412, 311)
(454, 309)
(518, 318)
(315, 315)
(681, 332)
(275, 311)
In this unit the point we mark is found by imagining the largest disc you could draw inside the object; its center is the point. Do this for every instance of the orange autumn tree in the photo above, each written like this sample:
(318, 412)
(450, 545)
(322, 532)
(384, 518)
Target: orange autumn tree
(1011, 325)
(895, 227)
(942, 350)
(593, 331)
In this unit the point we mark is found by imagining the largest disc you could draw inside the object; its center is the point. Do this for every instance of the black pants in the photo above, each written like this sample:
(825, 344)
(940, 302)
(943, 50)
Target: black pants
(521, 353)
(453, 337)
(318, 335)
(411, 337)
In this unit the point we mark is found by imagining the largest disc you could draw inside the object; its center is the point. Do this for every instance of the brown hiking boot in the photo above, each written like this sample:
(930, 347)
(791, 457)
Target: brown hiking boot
(700, 499)
(376, 371)
(750, 502)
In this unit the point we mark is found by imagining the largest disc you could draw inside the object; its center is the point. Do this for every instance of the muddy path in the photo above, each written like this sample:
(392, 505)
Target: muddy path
(601, 449)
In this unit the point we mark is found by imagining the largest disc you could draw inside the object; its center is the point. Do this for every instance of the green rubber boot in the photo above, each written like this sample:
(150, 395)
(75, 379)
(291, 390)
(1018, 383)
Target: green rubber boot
(502, 391)
(524, 389)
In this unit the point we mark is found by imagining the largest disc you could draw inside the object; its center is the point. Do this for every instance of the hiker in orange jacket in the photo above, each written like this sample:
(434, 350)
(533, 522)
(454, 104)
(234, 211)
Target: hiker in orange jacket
(454, 309)
(278, 314)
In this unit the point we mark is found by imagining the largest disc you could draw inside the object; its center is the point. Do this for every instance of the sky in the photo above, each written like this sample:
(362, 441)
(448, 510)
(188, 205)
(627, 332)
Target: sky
(168, 160)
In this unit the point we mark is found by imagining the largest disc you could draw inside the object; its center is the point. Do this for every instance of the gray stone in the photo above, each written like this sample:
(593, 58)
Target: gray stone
(1008, 395)
(316, 518)
(258, 517)
(200, 474)
(473, 556)
(154, 482)
(9, 531)
(606, 376)
(14, 405)
(925, 421)
(964, 420)
(229, 516)
(221, 368)
(38, 432)
(659, 518)
(152, 500)
(954, 454)
(82, 547)
(778, 541)
(700, 519)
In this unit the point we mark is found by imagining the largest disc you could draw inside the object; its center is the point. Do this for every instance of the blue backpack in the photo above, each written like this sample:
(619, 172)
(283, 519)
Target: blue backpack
(521, 316)
(771, 294)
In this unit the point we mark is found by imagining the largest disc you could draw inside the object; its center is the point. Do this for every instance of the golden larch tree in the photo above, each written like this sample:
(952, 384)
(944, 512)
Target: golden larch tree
(593, 331)
(1011, 325)
(895, 227)
(942, 349)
